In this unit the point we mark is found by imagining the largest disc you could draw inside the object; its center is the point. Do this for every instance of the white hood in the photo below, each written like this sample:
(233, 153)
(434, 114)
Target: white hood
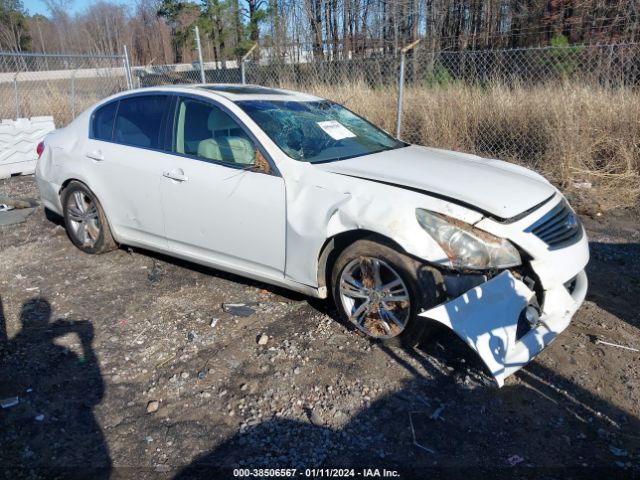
(502, 189)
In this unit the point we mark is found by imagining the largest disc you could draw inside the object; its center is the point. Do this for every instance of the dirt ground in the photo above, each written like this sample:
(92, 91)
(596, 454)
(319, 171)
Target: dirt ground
(93, 343)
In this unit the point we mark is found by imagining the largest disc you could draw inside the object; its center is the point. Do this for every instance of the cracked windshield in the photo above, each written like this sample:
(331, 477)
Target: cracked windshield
(319, 131)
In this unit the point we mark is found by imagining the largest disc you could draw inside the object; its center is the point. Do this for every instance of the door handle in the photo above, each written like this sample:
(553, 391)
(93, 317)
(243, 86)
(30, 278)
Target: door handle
(95, 155)
(173, 175)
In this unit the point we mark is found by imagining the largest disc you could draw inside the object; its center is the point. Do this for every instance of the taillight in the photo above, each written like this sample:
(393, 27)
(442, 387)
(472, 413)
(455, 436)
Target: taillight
(40, 149)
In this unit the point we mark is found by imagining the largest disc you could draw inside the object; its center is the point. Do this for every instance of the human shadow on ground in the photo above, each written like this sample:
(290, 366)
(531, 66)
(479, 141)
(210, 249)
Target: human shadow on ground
(52, 431)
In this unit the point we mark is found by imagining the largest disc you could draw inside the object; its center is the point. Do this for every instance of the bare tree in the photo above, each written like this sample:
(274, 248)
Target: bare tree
(162, 30)
(314, 12)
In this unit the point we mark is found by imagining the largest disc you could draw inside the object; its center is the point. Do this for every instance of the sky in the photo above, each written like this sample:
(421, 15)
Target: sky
(38, 6)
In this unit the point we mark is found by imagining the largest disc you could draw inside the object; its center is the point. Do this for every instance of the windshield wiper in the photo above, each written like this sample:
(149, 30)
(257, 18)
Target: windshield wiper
(337, 159)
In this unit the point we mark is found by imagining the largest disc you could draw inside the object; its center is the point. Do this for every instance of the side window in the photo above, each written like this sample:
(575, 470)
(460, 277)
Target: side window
(102, 121)
(204, 131)
(138, 121)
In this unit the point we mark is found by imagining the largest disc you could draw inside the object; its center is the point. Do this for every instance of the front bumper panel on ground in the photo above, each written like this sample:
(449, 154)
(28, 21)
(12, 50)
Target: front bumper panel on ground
(486, 318)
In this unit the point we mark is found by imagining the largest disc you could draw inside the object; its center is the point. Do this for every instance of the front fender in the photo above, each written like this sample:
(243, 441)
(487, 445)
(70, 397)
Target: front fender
(335, 212)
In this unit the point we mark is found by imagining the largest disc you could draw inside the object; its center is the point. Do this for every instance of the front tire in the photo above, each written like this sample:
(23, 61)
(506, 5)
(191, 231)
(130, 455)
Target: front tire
(85, 221)
(376, 290)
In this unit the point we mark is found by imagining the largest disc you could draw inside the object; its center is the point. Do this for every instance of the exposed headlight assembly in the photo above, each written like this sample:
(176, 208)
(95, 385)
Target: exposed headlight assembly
(466, 246)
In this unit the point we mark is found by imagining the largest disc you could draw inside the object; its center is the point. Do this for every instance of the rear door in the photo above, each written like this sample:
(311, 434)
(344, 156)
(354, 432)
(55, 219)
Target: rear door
(127, 147)
(218, 207)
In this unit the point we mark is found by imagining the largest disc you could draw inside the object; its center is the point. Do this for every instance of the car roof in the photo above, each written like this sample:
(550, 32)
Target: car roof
(236, 92)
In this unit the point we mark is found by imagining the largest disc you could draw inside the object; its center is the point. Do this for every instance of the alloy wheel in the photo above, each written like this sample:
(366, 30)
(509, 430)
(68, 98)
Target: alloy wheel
(83, 218)
(375, 297)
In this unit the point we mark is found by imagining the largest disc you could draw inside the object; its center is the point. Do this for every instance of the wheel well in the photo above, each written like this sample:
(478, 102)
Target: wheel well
(335, 245)
(68, 181)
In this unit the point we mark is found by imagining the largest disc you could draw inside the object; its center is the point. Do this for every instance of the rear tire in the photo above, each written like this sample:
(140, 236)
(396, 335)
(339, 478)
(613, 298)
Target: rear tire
(380, 291)
(85, 221)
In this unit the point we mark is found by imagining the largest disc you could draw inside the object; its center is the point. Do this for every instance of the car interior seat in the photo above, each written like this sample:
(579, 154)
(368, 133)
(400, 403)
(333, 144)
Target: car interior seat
(223, 146)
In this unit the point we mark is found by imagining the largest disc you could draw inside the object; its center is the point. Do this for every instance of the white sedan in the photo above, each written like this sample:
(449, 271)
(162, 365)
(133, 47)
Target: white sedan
(297, 191)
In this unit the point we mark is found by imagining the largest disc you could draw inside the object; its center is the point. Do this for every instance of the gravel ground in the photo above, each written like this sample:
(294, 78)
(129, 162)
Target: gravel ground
(126, 365)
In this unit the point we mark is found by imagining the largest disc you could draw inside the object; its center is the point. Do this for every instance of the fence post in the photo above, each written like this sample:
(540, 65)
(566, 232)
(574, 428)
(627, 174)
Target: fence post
(243, 61)
(127, 69)
(199, 47)
(403, 54)
(15, 93)
(73, 94)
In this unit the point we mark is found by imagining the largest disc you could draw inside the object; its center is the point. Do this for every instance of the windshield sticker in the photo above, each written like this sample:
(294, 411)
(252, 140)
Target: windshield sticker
(336, 130)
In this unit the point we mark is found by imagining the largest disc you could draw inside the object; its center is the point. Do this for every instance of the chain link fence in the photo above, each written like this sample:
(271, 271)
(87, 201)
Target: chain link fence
(59, 85)
(572, 112)
(606, 67)
(531, 106)
(179, 74)
(64, 85)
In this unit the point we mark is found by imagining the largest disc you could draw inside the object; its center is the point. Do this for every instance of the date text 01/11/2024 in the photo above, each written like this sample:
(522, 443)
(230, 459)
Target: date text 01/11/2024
(315, 473)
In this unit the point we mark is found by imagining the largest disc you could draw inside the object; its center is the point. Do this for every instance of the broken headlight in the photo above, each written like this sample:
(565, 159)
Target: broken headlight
(466, 246)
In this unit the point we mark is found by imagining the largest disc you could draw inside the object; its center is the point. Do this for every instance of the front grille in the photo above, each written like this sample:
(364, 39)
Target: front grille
(558, 228)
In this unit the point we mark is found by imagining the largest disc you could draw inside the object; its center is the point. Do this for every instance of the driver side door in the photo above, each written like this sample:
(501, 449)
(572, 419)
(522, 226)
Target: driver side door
(218, 208)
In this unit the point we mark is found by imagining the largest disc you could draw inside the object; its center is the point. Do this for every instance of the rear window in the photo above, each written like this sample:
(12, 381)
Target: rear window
(102, 124)
(138, 121)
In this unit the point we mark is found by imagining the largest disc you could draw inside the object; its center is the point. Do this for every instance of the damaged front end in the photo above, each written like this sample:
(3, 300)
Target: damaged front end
(506, 302)
(506, 318)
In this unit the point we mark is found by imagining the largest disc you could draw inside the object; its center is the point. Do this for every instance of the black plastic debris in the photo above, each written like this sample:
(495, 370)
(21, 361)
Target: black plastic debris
(240, 309)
